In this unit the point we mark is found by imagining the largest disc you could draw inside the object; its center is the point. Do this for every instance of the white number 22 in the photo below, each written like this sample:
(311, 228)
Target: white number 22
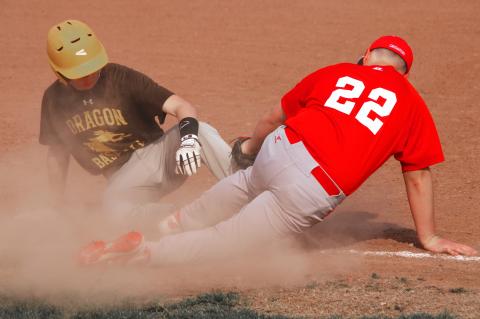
(370, 106)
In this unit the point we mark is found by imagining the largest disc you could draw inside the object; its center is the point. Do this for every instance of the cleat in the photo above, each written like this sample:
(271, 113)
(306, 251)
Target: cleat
(91, 253)
(128, 249)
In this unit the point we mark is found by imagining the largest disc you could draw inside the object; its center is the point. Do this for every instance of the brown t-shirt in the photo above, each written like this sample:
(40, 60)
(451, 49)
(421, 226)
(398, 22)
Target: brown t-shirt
(103, 126)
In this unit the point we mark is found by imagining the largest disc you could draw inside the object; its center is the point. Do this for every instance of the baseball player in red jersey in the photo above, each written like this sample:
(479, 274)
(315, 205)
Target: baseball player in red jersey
(330, 133)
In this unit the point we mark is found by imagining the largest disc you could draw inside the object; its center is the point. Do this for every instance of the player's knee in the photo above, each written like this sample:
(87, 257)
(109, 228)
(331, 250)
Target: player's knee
(205, 129)
(208, 135)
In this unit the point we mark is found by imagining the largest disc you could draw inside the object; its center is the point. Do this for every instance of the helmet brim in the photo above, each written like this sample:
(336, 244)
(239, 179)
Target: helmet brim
(84, 69)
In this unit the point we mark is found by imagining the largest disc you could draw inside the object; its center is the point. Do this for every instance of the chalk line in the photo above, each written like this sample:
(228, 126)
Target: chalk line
(409, 254)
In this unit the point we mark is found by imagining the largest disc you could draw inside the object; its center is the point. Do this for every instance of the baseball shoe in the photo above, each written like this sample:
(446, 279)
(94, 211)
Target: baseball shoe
(170, 225)
(128, 249)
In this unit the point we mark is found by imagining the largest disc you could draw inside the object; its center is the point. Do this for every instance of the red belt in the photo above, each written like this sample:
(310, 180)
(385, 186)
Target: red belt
(318, 172)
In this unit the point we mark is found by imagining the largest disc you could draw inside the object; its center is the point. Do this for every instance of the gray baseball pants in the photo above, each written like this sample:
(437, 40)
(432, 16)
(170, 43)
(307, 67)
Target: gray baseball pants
(275, 198)
(133, 191)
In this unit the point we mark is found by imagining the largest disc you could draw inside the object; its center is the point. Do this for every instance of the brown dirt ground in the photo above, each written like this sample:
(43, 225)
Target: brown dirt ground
(235, 60)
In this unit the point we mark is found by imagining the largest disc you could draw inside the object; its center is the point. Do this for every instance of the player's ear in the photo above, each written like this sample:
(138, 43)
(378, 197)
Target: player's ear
(365, 57)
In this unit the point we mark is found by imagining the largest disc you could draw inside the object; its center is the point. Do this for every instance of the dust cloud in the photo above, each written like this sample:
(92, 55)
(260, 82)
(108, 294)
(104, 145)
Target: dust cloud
(38, 245)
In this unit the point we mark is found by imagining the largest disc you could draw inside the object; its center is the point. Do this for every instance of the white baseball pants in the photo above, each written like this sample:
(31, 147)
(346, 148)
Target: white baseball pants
(133, 191)
(275, 198)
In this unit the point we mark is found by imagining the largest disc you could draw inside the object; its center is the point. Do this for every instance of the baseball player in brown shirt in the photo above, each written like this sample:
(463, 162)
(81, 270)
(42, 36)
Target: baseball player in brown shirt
(106, 116)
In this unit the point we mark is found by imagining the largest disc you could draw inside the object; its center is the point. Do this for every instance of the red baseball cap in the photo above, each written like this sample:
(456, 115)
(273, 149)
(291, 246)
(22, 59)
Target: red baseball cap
(397, 45)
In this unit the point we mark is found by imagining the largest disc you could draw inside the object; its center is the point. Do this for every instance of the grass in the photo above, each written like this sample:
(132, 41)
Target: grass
(459, 290)
(212, 305)
(412, 316)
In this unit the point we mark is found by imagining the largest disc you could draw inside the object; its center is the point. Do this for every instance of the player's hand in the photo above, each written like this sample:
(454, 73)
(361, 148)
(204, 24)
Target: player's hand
(188, 155)
(437, 244)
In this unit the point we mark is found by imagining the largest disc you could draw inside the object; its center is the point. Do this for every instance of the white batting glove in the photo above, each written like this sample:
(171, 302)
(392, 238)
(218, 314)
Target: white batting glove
(188, 155)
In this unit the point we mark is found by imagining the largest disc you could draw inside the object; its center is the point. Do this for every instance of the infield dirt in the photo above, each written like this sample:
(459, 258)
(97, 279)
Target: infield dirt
(234, 60)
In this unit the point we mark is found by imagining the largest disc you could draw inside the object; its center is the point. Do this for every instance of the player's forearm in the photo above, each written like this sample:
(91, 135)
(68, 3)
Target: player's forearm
(420, 197)
(262, 129)
(186, 110)
(57, 167)
(269, 122)
(180, 108)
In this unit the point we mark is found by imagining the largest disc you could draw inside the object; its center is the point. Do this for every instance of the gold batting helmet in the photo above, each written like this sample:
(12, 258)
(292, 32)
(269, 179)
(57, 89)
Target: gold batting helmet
(73, 50)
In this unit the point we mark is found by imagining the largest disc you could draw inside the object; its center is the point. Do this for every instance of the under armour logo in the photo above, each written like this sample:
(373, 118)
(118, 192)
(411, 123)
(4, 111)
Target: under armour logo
(277, 139)
(184, 123)
(89, 101)
(398, 49)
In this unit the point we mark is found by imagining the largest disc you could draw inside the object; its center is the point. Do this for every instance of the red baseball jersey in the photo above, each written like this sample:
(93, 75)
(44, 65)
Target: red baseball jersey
(352, 118)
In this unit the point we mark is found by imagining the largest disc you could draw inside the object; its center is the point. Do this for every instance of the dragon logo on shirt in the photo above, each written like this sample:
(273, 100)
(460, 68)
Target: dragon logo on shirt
(98, 143)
